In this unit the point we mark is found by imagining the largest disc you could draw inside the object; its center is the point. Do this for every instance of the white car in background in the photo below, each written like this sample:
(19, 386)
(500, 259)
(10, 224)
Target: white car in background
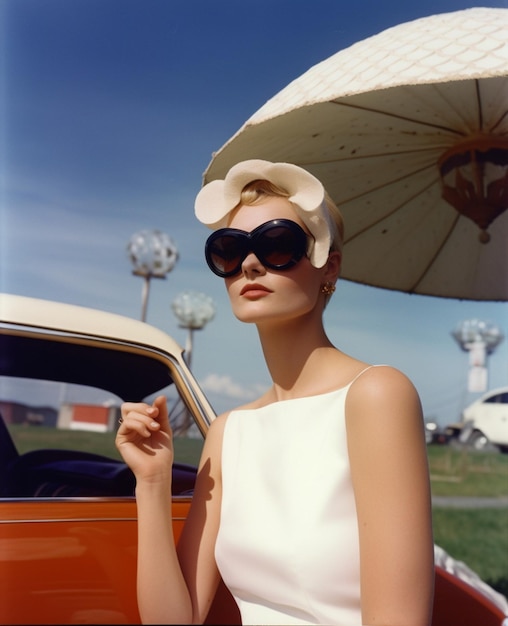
(486, 421)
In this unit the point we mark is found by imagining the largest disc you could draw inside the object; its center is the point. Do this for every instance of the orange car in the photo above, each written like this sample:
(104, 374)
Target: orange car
(68, 517)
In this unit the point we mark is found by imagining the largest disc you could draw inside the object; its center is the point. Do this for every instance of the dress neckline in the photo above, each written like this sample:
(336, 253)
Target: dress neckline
(314, 396)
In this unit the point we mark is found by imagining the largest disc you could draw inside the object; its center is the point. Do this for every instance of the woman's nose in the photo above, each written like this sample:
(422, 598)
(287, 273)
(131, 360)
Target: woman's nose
(252, 265)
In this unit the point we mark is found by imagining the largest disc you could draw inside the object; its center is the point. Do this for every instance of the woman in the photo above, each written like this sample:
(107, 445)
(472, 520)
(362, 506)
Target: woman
(313, 501)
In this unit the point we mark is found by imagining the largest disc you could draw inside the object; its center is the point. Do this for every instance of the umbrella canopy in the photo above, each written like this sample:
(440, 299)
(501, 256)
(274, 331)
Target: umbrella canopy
(408, 131)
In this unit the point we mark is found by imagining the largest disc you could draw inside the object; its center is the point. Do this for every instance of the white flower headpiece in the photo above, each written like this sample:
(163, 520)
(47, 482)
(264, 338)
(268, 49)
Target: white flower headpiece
(218, 198)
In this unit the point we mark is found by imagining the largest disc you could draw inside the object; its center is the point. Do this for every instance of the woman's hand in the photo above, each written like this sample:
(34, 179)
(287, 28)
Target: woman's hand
(145, 440)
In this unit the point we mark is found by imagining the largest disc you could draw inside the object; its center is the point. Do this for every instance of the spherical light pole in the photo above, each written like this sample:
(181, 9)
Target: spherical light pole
(153, 254)
(480, 339)
(194, 310)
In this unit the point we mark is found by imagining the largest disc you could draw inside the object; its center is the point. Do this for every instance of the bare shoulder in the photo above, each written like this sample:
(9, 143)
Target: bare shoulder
(216, 429)
(217, 426)
(215, 434)
(381, 383)
(384, 403)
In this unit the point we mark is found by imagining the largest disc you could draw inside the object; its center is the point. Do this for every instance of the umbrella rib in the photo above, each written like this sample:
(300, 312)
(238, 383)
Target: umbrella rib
(480, 111)
(499, 121)
(435, 255)
(385, 215)
(384, 185)
(479, 104)
(398, 117)
(372, 155)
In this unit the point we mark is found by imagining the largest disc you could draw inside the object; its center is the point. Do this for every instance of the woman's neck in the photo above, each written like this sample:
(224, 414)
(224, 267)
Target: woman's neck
(298, 355)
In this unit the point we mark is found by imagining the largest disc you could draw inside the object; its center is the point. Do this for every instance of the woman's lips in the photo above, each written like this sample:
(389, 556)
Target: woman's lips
(254, 291)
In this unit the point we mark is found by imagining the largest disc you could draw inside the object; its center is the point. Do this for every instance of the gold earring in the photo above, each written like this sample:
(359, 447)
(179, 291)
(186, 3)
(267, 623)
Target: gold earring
(328, 288)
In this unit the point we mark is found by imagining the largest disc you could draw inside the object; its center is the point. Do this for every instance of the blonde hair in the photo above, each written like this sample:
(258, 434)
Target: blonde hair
(257, 190)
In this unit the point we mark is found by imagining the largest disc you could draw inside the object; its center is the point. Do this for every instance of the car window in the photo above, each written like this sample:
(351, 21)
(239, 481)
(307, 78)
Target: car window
(63, 438)
(498, 398)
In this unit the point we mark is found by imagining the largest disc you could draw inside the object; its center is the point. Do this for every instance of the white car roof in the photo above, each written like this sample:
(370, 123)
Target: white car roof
(52, 315)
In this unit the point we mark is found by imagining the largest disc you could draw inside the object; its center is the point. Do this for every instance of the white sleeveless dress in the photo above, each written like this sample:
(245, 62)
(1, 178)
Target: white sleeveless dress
(288, 546)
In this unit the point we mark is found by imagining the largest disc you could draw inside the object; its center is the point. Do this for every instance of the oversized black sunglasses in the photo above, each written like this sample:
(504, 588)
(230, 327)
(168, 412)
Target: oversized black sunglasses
(278, 244)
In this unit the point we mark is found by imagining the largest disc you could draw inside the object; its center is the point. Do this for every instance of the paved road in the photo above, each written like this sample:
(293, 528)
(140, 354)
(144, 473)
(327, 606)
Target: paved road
(459, 502)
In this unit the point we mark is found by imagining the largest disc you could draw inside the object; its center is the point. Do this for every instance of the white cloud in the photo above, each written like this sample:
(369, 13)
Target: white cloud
(226, 386)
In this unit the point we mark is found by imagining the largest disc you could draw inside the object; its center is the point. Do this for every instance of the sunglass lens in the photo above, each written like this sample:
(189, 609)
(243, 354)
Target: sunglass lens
(280, 246)
(225, 253)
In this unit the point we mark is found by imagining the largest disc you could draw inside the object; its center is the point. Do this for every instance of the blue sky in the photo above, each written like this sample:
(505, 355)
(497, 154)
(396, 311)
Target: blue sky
(110, 111)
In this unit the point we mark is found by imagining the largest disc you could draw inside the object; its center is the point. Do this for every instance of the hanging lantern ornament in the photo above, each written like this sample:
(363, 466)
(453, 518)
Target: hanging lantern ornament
(474, 176)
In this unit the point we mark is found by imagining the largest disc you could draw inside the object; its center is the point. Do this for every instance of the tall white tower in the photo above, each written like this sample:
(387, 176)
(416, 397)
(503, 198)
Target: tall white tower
(480, 339)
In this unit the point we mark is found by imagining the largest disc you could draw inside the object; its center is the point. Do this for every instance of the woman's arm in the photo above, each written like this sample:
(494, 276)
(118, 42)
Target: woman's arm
(389, 468)
(172, 588)
(196, 547)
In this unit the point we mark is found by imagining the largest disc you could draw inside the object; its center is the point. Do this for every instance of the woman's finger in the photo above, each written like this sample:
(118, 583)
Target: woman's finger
(160, 412)
(141, 408)
(138, 418)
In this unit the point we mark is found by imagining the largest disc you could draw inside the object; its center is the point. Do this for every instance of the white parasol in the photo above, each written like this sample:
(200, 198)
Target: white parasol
(408, 131)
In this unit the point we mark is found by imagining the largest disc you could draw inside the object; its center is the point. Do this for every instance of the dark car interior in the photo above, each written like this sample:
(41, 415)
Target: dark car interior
(72, 473)
(49, 473)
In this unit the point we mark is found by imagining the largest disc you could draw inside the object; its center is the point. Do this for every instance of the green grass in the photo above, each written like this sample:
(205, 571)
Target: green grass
(462, 472)
(34, 437)
(477, 537)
